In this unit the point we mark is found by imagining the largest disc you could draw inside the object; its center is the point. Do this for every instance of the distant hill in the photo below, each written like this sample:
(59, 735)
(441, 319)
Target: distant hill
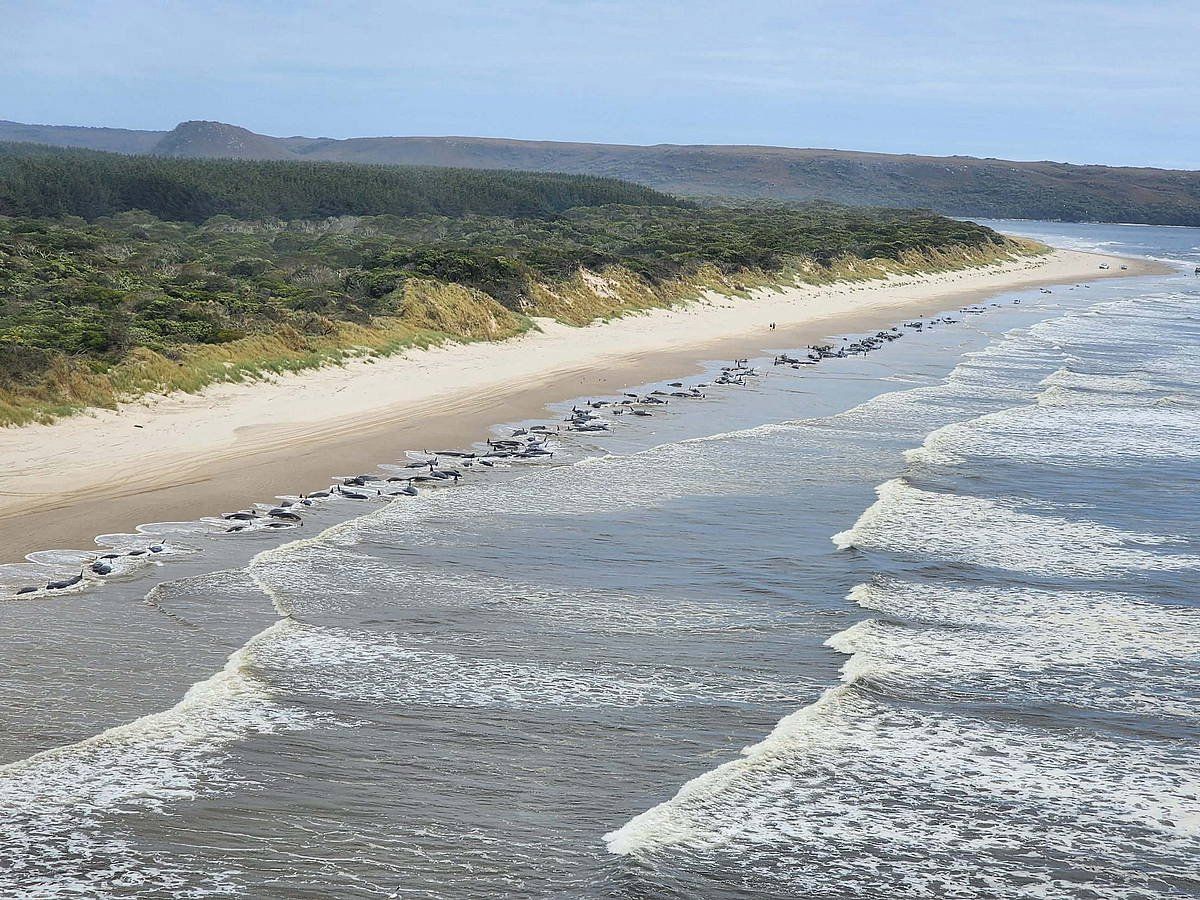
(214, 140)
(37, 180)
(957, 185)
(115, 140)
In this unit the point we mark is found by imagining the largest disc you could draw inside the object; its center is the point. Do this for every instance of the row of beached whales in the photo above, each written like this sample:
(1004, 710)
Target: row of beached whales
(447, 467)
(101, 565)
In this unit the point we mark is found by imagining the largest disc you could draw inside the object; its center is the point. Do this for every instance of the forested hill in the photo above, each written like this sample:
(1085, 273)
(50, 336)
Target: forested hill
(954, 185)
(38, 181)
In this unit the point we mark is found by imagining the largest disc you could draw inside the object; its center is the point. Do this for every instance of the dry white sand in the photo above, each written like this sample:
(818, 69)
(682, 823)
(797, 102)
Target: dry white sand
(182, 456)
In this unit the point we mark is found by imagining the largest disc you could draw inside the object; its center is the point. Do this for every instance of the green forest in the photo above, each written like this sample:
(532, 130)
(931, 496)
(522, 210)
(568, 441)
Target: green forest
(86, 299)
(48, 181)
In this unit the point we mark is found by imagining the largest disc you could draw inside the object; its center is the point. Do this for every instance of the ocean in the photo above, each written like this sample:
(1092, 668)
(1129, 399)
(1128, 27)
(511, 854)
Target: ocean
(918, 623)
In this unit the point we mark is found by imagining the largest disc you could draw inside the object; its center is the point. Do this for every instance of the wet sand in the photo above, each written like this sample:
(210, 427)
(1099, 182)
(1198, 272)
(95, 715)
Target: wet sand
(230, 445)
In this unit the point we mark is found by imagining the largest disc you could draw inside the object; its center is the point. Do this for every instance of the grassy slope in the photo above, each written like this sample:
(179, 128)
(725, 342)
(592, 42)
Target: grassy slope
(434, 314)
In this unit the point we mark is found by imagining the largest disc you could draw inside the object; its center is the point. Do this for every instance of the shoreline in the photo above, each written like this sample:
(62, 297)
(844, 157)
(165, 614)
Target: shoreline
(188, 455)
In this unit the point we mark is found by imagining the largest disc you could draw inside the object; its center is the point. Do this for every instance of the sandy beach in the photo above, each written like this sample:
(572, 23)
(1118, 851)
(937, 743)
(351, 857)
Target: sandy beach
(183, 456)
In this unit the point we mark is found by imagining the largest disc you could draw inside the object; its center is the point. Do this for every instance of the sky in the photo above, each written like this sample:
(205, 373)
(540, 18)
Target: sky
(1103, 81)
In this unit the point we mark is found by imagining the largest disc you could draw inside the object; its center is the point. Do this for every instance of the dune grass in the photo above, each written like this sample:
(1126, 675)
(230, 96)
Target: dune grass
(434, 314)
(615, 291)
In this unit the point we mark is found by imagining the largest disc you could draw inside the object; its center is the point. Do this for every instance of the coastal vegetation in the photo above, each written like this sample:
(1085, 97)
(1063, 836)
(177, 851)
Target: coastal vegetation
(125, 302)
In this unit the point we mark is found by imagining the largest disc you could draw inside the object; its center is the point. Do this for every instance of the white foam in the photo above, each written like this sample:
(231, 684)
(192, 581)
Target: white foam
(1005, 533)
(883, 781)
(848, 785)
(367, 667)
(60, 809)
(1089, 649)
(1064, 428)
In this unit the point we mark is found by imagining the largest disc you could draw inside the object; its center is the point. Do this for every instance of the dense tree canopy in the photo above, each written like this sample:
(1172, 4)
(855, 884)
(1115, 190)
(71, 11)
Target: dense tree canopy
(45, 181)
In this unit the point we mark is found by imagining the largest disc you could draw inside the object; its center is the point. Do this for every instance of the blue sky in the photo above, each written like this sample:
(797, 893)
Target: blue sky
(1072, 80)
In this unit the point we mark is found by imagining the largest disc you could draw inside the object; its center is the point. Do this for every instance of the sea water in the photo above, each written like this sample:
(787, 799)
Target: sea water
(917, 624)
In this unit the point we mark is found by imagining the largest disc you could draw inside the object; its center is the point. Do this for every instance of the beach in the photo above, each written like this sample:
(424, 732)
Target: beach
(183, 456)
(752, 643)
